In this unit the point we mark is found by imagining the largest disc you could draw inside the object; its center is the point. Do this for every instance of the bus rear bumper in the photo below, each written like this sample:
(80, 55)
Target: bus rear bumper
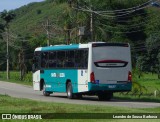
(110, 87)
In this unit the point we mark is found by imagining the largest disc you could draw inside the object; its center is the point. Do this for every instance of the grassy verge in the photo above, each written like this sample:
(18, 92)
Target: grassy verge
(136, 98)
(16, 105)
(15, 78)
(144, 89)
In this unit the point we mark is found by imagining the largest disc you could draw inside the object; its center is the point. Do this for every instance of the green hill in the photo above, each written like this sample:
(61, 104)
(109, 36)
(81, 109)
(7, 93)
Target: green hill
(29, 18)
(32, 14)
(136, 22)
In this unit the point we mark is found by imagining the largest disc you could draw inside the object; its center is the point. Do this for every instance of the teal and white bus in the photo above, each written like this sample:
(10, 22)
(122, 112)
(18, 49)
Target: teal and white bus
(96, 68)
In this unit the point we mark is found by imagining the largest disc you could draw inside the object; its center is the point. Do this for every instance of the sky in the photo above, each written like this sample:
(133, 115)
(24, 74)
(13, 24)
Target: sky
(13, 4)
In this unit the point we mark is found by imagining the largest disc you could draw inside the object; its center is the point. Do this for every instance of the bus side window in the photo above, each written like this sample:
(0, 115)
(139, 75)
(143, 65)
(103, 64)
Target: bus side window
(81, 58)
(70, 59)
(60, 59)
(44, 61)
(78, 59)
(53, 59)
(36, 62)
(35, 65)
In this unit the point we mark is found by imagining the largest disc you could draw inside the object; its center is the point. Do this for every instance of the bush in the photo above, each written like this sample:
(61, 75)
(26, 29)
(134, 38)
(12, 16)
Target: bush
(28, 77)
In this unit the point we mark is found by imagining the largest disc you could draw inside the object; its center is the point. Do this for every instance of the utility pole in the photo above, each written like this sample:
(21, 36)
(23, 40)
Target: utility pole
(7, 39)
(47, 28)
(91, 25)
(76, 22)
(22, 65)
(91, 22)
(48, 36)
(69, 25)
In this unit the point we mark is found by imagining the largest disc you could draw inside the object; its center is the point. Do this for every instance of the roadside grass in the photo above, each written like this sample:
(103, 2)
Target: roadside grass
(146, 88)
(15, 77)
(18, 105)
(21, 105)
(151, 82)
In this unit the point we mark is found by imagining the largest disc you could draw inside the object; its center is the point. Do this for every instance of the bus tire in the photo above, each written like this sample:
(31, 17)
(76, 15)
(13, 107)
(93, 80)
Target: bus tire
(70, 94)
(44, 91)
(105, 96)
(108, 96)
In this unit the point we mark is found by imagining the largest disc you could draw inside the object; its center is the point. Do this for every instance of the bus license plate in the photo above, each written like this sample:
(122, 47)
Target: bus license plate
(112, 86)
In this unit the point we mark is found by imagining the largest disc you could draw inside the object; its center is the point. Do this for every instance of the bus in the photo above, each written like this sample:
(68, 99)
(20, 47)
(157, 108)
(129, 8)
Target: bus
(95, 68)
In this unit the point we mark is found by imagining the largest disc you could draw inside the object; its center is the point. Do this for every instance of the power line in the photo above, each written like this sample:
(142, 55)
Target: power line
(118, 14)
(128, 9)
(133, 31)
(133, 25)
(124, 12)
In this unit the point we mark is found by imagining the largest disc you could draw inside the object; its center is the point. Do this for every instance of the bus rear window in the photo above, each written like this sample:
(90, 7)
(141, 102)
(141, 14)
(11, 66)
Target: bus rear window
(110, 44)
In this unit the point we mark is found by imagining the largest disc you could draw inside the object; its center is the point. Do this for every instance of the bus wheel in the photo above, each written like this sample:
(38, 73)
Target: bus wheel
(70, 94)
(44, 90)
(105, 96)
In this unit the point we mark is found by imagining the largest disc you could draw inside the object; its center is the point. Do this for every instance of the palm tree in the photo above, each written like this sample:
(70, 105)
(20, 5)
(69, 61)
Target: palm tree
(7, 17)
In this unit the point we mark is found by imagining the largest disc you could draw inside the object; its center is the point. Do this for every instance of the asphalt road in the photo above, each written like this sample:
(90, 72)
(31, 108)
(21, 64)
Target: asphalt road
(22, 91)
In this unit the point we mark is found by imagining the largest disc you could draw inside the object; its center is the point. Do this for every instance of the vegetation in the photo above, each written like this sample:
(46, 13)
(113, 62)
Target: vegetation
(16, 105)
(15, 77)
(145, 88)
(139, 27)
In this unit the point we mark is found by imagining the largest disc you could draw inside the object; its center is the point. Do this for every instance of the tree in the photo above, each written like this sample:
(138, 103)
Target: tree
(1, 30)
(153, 48)
(7, 17)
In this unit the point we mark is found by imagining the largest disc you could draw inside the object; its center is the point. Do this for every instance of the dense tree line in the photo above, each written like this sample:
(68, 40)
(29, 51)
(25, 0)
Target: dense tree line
(135, 22)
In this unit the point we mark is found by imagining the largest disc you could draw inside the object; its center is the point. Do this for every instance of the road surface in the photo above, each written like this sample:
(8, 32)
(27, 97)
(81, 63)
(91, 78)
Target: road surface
(23, 91)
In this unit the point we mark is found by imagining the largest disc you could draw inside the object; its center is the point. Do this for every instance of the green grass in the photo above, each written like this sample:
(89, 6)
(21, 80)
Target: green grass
(150, 81)
(17, 105)
(15, 78)
(145, 86)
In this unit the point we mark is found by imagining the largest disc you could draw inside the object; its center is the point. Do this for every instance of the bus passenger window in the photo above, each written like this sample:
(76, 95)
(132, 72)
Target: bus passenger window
(70, 59)
(53, 59)
(44, 60)
(35, 65)
(81, 58)
(60, 59)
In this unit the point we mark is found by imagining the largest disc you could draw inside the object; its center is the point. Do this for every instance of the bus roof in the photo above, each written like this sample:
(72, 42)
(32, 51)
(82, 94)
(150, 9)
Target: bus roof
(62, 47)
(78, 46)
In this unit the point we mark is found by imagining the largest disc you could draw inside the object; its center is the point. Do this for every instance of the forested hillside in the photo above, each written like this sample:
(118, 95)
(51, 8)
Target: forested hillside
(132, 21)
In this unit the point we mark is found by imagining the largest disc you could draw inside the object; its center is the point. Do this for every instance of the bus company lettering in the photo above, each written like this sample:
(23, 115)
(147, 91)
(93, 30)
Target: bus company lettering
(61, 75)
